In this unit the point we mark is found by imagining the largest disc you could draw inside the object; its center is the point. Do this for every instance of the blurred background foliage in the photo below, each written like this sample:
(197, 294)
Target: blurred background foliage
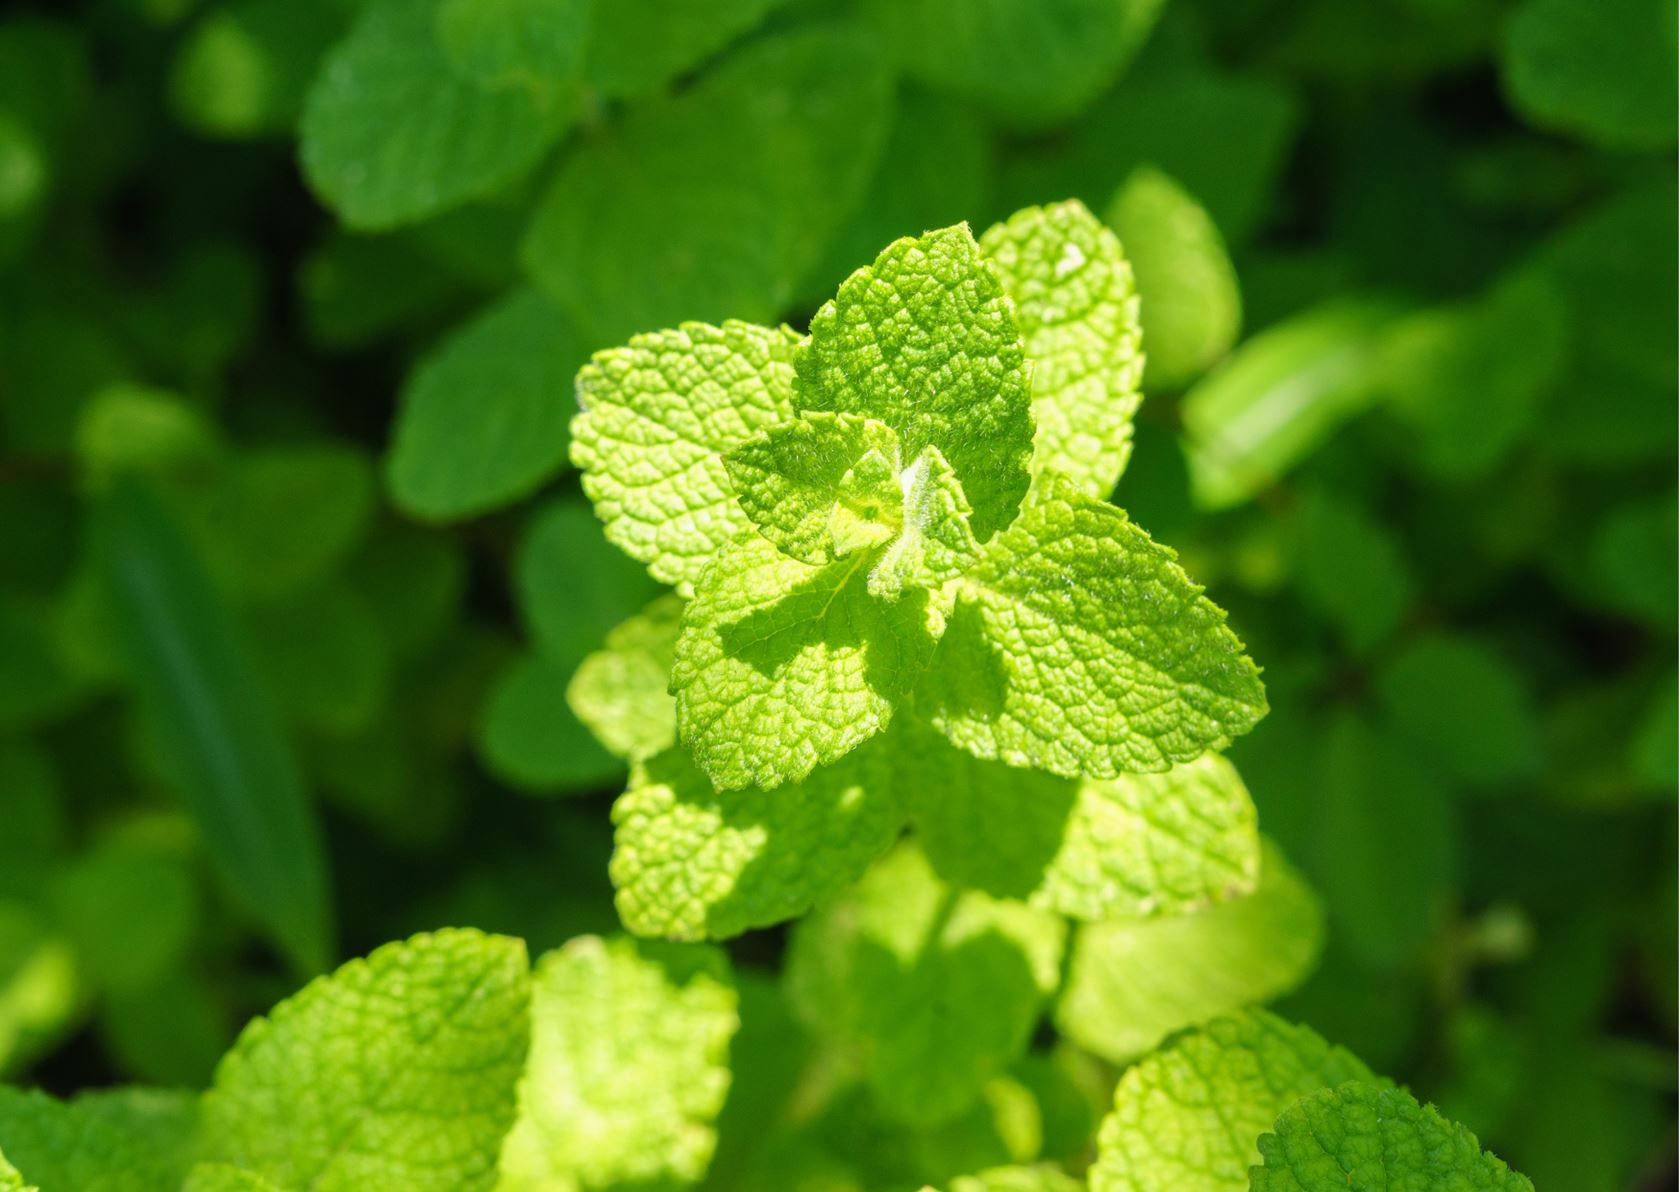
(293, 573)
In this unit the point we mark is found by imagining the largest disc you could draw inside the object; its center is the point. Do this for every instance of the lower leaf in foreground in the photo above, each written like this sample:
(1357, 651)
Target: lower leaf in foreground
(398, 1072)
(629, 1067)
(1363, 1137)
(1190, 1115)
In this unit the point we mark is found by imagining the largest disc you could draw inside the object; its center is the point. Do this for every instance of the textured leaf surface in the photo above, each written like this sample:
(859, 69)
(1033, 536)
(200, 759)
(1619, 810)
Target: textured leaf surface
(220, 741)
(935, 543)
(484, 416)
(392, 132)
(938, 988)
(1132, 982)
(1191, 306)
(714, 203)
(1136, 845)
(657, 417)
(782, 667)
(621, 692)
(1363, 1137)
(223, 1177)
(690, 862)
(1032, 61)
(629, 1067)
(636, 45)
(1191, 1114)
(926, 341)
(1602, 70)
(1080, 647)
(799, 479)
(1078, 312)
(399, 1071)
(128, 1140)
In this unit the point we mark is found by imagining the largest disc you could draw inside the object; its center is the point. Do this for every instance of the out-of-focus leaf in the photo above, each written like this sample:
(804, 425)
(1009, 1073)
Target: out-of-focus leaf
(214, 723)
(1464, 708)
(1351, 568)
(130, 910)
(530, 738)
(573, 586)
(40, 989)
(1191, 306)
(243, 69)
(1280, 396)
(1633, 560)
(536, 44)
(485, 416)
(324, 655)
(635, 46)
(1602, 70)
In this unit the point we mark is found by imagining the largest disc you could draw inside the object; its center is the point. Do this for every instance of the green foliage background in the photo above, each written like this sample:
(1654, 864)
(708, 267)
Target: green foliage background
(294, 572)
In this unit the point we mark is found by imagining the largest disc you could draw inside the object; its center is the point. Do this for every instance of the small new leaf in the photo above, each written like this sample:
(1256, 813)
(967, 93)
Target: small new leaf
(925, 340)
(821, 486)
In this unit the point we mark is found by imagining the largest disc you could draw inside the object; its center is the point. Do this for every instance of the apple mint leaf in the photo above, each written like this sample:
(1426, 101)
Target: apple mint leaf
(1600, 70)
(635, 46)
(1137, 845)
(926, 341)
(532, 44)
(628, 1069)
(399, 1071)
(782, 667)
(821, 486)
(1078, 312)
(935, 543)
(1365, 1137)
(690, 862)
(483, 418)
(621, 692)
(1192, 307)
(1132, 982)
(715, 201)
(127, 1140)
(1079, 646)
(657, 417)
(393, 132)
(1191, 1114)
(1032, 62)
(938, 988)
(10, 1180)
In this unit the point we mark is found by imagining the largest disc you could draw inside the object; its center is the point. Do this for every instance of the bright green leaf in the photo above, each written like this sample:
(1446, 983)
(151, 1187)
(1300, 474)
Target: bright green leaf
(938, 988)
(1137, 845)
(657, 417)
(1363, 1137)
(484, 417)
(391, 133)
(622, 691)
(935, 543)
(1191, 1114)
(126, 1140)
(1132, 982)
(782, 667)
(820, 486)
(223, 1177)
(397, 1072)
(1080, 647)
(690, 862)
(628, 1069)
(1191, 305)
(926, 341)
(1078, 312)
(1017, 1179)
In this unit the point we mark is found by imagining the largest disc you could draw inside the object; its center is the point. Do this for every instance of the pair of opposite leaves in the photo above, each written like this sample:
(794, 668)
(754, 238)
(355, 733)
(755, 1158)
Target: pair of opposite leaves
(907, 506)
